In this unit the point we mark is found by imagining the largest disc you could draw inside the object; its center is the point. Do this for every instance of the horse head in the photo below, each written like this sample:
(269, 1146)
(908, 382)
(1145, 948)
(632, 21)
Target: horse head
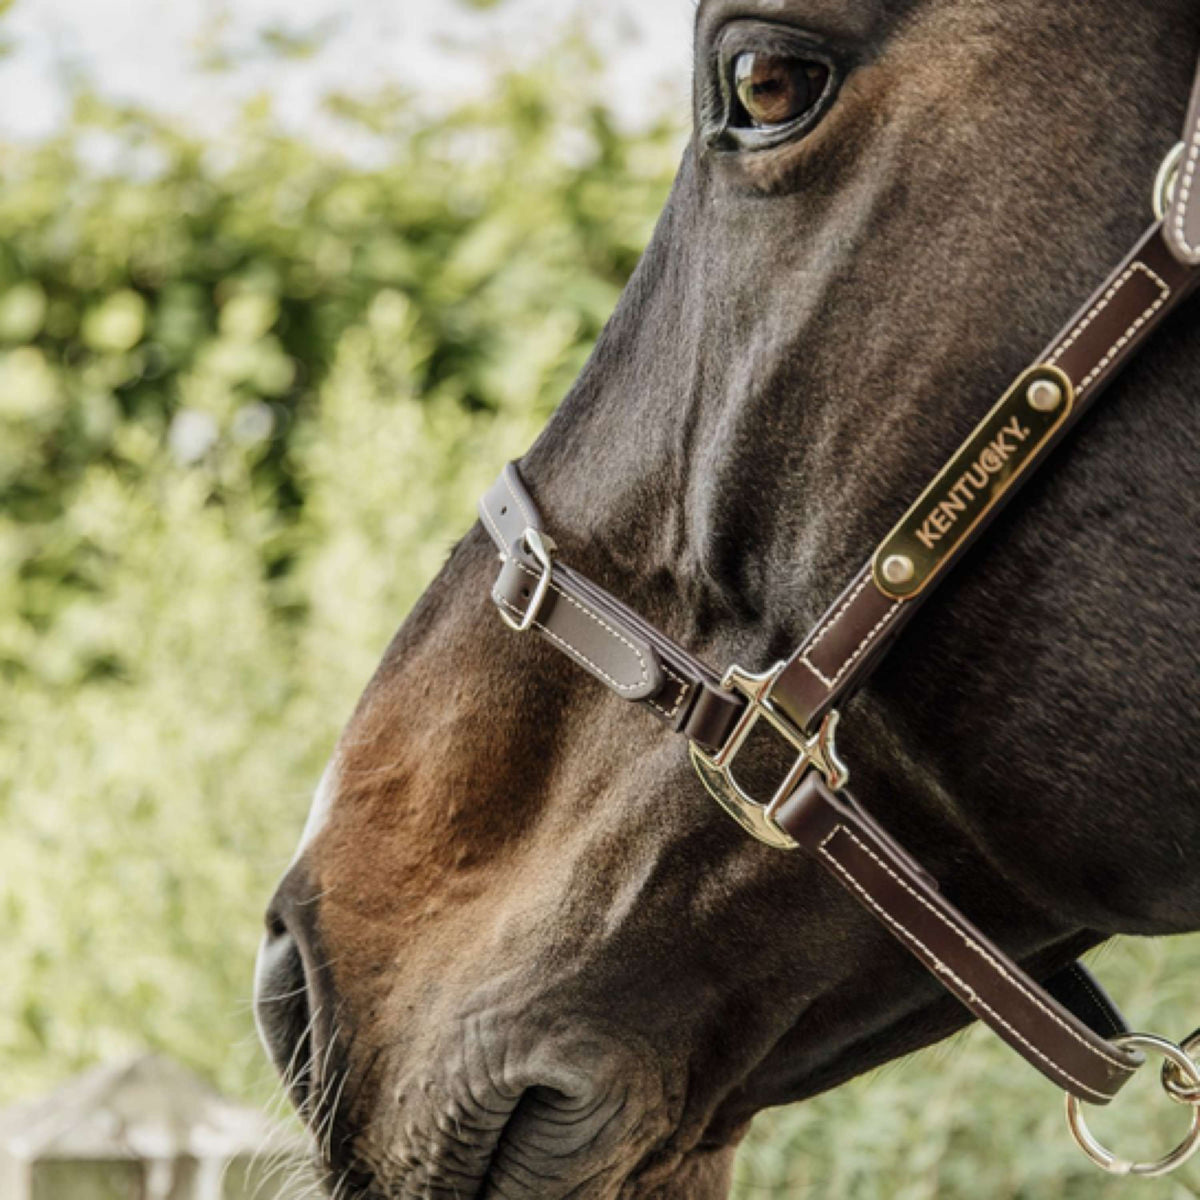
(520, 952)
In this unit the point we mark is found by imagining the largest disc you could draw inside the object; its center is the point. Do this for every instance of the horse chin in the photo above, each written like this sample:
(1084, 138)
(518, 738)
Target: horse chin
(705, 1175)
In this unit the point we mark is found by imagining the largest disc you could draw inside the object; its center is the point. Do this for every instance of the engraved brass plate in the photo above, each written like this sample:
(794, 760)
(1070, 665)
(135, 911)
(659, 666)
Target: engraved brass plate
(988, 464)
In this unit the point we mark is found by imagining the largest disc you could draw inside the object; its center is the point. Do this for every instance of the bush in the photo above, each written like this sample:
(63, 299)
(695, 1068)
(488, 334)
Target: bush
(249, 391)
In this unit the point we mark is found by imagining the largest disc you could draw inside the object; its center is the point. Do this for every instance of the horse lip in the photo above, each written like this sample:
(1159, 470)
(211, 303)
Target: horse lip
(458, 1163)
(524, 1110)
(440, 1160)
(437, 1162)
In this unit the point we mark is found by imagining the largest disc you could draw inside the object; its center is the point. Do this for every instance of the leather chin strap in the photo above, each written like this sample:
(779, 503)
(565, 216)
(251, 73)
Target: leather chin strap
(1062, 1027)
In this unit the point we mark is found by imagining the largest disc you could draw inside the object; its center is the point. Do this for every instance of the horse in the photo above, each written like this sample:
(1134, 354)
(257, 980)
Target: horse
(519, 952)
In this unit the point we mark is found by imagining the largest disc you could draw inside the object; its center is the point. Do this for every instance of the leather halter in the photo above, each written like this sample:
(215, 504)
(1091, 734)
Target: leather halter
(1066, 1028)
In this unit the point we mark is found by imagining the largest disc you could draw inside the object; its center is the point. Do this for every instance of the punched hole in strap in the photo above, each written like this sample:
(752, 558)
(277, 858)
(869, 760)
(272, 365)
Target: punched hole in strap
(541, 547)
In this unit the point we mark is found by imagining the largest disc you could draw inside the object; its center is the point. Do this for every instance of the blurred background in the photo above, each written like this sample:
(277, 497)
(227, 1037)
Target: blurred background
(281, 286)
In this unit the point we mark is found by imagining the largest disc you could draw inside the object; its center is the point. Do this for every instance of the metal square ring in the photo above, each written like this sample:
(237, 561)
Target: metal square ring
(817, 752)
(542, 548)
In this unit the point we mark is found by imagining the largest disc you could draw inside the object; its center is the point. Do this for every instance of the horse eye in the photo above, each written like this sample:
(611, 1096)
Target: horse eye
(775, 89)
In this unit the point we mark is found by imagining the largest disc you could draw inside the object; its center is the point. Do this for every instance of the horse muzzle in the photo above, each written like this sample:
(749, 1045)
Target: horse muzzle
(507, 1101)
(532, 1114)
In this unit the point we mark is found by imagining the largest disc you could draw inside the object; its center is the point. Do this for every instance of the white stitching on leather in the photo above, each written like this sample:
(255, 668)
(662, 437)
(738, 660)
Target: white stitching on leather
(824, 682)
(854, 595)
(492, 525)
(830, 684)
(587, 612)
(1100, 306)
(683, 691)
(971, 944)
(1185, 190)
(530, 522)
(862, 646)
(571, 650)
(941, 968)
(820, 634)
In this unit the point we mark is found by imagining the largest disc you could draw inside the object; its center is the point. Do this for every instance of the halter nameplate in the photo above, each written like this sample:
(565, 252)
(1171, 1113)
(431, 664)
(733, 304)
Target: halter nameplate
(1004, 445)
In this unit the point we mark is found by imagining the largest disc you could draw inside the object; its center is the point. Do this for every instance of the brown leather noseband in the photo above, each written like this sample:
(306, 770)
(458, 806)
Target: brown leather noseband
(1066, 1028)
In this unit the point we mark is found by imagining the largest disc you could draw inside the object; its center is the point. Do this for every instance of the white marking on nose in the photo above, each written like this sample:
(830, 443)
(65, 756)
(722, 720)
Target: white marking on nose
(322, 803)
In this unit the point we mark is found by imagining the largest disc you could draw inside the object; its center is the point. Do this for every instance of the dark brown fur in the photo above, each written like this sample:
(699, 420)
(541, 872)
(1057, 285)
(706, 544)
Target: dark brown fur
(541, 959)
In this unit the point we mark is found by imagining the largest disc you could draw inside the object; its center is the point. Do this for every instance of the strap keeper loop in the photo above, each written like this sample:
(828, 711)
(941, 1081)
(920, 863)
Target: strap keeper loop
(541, 546)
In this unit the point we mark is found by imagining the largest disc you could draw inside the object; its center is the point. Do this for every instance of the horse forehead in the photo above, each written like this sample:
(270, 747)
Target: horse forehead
(849, 18)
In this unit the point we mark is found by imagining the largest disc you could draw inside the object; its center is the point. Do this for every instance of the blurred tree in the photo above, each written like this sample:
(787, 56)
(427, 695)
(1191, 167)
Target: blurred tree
(249, 388)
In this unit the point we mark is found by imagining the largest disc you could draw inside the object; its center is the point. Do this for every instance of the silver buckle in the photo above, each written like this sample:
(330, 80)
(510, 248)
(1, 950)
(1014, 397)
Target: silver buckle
(542, 547)
(1166, 181)
(817, 752)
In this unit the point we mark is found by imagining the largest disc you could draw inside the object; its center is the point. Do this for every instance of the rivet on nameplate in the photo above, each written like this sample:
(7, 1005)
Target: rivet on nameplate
(1044, 395)
(898, 569)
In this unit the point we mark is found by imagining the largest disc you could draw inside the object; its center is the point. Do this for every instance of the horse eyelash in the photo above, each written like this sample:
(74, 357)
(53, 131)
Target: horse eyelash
(714, 100)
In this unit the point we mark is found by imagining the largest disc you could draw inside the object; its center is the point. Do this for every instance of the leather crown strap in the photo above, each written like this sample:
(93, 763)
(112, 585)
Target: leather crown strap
(1063, 1027)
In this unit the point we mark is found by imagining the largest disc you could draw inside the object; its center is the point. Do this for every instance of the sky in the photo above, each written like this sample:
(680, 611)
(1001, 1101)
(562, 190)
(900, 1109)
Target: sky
(159, 52)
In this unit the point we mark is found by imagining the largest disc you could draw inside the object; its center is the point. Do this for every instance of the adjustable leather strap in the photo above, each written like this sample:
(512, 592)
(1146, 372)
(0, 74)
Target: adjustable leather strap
(839, 654)
(866, 861)
(601, 634)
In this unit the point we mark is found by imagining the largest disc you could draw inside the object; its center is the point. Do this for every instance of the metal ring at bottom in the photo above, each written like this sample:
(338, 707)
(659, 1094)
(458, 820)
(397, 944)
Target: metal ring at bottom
(1101, 1155)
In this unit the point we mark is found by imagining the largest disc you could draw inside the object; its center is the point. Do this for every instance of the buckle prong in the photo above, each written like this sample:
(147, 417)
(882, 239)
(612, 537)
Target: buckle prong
(542, 547)
(815, 752)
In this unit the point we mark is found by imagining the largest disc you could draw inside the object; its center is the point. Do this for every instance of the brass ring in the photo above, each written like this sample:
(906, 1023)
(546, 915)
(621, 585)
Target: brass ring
(1101, 1155)
(1174, 1080)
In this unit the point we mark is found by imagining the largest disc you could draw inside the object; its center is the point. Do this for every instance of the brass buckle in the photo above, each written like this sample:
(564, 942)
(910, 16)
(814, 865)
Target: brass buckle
(816, 752)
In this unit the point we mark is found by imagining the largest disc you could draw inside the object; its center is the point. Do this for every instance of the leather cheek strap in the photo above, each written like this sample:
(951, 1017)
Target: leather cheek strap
(609, 640)
(857, 630)
(880, 875)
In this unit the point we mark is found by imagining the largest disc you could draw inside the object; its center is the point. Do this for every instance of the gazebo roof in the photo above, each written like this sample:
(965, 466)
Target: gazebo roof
(147, 1107)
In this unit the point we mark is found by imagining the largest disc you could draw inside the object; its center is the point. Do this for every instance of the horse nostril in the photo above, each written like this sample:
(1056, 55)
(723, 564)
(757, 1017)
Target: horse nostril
(275, 924)
(282, 1008)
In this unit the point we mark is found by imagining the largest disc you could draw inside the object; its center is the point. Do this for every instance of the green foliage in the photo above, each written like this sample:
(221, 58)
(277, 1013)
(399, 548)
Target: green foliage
(249, 391)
